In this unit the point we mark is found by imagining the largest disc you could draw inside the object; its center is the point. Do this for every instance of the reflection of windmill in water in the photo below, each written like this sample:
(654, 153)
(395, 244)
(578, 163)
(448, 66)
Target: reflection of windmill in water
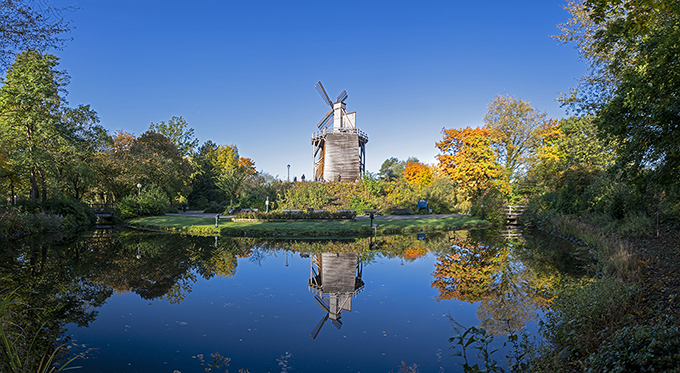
(334, 279)
(339, 146)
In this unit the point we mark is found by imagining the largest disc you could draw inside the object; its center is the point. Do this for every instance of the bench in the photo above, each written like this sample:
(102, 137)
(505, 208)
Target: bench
(315, 210)
(291, 210)
(422, 204)
(344, 211)
(249, 210)
(368, 211)
(400, 211)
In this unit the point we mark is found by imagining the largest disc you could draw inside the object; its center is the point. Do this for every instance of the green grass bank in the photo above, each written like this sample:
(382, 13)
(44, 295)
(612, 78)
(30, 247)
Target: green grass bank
(306, 229)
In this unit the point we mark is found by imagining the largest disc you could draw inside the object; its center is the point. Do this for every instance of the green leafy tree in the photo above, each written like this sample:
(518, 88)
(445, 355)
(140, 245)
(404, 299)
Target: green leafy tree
(154, 159)
(75, 159)
(515, 131)
(573, 143)
(29, 114)
(178, 131)
(393, 169)
(643, 113)
(203, 188)
(631, 47)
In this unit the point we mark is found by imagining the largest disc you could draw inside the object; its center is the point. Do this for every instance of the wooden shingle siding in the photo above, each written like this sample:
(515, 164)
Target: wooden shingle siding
(342, 157)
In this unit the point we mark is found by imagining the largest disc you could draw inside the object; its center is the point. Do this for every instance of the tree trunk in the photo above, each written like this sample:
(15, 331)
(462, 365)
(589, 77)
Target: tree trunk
(34, 185)
(12, 198)
(42, 182)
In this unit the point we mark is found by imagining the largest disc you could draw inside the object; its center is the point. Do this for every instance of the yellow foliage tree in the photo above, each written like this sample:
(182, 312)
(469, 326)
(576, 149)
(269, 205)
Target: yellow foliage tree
(468, 159)
(418, 173)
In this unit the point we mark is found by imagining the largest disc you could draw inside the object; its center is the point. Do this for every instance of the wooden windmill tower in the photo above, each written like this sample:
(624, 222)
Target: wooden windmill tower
(334, 279)
(339, 146)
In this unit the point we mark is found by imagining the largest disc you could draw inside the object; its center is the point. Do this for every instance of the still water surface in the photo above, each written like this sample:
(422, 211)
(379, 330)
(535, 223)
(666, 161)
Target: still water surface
(154, 302)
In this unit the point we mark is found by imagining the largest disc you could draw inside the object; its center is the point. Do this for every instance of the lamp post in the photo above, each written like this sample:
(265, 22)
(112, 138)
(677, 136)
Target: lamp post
(288, 173)
(139, 194)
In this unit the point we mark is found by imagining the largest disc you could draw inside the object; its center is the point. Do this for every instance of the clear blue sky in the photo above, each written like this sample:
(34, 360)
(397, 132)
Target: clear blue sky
(243, 72)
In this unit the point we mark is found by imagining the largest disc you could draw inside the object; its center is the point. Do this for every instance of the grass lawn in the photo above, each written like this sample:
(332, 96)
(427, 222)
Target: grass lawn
(309, 229)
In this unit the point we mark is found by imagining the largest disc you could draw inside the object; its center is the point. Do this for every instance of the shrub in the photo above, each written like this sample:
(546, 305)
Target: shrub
(585, 312)
(494, 208)
(215, 207)
(75, 213)
(200, 204)
(442, 195)
(295, 215)
(14, 222)
(152, 201)
(641, 348)
(636, 224)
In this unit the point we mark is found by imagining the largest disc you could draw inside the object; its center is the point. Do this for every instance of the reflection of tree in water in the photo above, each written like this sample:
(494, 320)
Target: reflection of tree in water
(467, 272)
(60, 281)
(166, 263)
(486, 269)
(49, 277)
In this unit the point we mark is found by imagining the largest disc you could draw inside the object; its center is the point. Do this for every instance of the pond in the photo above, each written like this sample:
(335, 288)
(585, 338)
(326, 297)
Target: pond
(151, 302)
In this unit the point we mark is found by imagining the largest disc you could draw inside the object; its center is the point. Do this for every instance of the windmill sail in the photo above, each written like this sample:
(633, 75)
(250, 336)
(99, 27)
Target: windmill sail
(322, 93)
(326, 121)
(339, 145)
(342, 97)
(317, 328)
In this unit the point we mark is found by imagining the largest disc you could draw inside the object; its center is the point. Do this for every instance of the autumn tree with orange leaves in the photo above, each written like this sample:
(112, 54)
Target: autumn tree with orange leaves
(467, 158)
(468, 273)
(418, 173)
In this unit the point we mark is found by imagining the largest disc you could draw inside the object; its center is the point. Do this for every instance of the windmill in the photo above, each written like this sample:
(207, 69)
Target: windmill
(339, 146)
(334, 279)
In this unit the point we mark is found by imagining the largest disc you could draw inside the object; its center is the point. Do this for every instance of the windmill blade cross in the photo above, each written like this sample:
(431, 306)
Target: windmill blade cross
(317, 328)
(342, 96)
(321, 303)
(322, 93)
(324, 122)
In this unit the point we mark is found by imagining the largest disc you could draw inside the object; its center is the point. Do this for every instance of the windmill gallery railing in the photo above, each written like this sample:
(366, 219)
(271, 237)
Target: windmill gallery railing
(324, 131)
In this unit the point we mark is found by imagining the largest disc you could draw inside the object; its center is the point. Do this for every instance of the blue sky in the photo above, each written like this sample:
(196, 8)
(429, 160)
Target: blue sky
(243, 72)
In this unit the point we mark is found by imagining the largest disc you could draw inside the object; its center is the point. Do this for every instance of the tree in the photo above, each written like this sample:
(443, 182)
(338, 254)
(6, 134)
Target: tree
(230, 180)
(418, 173)
(29, 113)
(203, 188)
(156, 160)
(514, 129)
(393, 169)
(467, 159)
(643, 112)
(468, 273)
(75, 160)
(633, 85)
(29, 25)
(112, 165)
(571, 143)
(178, 131)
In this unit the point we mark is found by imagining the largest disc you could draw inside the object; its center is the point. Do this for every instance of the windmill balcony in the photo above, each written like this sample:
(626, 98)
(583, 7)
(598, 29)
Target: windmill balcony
(324, 131)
